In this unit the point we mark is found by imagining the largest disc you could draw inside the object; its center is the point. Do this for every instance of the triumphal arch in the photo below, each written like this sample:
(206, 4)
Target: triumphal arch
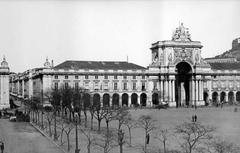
(177, 71)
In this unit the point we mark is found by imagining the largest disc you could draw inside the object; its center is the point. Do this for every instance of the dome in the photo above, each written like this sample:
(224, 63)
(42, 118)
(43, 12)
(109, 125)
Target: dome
(4, 63)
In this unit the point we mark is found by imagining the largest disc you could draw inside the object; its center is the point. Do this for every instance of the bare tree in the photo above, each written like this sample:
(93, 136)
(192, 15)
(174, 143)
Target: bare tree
(146, 122)
(121, 116)
(108, 116)
(99, 114)
(222, 146)
(193, 134)
(107, 142)
(130, 124)
(49, 118)
(61, 125)
(90, 138)
(69, 127)
(91, 111)
(162, 135)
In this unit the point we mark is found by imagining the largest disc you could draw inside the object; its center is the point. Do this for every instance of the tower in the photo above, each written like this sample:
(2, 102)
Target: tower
(4, 85)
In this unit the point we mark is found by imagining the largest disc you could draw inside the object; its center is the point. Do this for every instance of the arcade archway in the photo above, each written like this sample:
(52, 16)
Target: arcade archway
(182, 84)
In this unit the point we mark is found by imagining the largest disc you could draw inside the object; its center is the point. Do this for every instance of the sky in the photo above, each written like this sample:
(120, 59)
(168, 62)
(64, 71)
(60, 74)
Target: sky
(31, 31)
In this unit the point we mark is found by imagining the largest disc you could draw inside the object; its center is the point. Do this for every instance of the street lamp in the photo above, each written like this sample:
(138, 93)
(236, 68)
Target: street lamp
(76, 126)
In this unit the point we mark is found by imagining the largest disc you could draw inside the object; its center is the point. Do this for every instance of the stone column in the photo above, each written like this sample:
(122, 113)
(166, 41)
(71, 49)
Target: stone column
(110, 100)
(226, 96)
(18, 87)
(138, 99)
(166, 90)
(129, 100)
(197, 91)
(169, 91)
(120, 100)
(23, 88)
(161, 90)
(234, 97)
(201, 90)
(101, 100)
(219, 95)
(173, 93)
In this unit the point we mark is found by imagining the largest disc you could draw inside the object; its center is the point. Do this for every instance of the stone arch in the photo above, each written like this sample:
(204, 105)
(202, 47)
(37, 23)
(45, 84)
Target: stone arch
(205, 97)
(238, 96)
(106, 100)
(96, 100)
(155, 99)
(86, 100)
(222, 96)
(134, 98)
(230, 97)
(125, 99)
(143, 99)
(115, 100)
(214, 97)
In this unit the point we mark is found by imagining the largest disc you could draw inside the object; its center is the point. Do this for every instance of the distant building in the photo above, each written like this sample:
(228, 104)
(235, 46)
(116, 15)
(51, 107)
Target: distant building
(177, 75)
(4, 85)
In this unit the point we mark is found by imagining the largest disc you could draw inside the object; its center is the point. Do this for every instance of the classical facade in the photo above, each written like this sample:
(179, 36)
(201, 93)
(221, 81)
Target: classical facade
(4, 85)
(177, 75)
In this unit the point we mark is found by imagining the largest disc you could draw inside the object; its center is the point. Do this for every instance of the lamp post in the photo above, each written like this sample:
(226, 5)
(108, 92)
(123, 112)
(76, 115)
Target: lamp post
(76, 123)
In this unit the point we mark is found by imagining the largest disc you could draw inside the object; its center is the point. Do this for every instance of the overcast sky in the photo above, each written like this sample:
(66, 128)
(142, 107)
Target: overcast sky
(63, 30)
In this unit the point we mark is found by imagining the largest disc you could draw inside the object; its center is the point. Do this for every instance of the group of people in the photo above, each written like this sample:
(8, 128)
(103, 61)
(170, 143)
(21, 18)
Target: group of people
(194, 118)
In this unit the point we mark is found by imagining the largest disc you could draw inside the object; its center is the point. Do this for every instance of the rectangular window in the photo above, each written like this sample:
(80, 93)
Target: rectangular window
(86, 76)
(56, 85)
(96, 76)
(125, 86)
(76, 76)
(66, 76)
(66, 84)
(105, 86)
(76, 85)
(115, 76)
(115, 86)
(105, 76)
(55, 76)
(134, 76)
(143, 86)
(134, 86)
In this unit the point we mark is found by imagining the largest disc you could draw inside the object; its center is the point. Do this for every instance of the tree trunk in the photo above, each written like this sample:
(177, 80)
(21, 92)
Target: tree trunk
(121, 148)
(50, 130)
(55, 126)
(107, 122)
(79, 117)
(89, 147)
(85, 114)
(99, 125)
(62, 136)
(130, 136)
(164, 146)
(68, 140)
(91, 122)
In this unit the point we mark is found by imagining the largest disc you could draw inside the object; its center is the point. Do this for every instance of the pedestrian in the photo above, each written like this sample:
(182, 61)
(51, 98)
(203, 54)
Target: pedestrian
(2, 147)
(192, 118)
(195, 118)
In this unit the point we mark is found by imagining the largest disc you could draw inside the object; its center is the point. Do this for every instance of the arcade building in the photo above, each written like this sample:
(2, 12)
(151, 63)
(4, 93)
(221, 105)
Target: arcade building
(177, 75)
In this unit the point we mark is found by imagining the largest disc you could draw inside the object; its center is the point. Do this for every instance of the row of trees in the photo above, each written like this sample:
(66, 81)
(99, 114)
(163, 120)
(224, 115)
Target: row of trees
(65, 114)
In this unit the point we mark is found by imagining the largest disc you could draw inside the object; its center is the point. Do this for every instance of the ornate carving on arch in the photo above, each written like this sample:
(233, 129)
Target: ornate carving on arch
(181, 54)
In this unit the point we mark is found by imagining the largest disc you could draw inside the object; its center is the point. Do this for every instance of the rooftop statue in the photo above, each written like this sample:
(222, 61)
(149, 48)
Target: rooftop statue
(181, 34)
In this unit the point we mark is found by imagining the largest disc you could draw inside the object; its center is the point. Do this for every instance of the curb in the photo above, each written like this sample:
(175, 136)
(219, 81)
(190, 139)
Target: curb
(45, 135)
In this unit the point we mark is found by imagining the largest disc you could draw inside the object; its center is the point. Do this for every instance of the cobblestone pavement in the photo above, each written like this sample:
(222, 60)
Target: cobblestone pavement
(21, 137)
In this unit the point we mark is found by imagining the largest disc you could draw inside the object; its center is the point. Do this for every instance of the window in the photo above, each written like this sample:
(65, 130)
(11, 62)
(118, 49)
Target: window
(55, 85)
(115, 76)
(143, 86)
(76, 76)
(115, 86)
(76, 85)
(96, 86)
(125, 86)
(86, 76)
(66, 84)
(66, 76)
(105, 86)
(134, 77)
(105, 76)
(125, 77)
(55, 76)
(134, 86)
(96, 76)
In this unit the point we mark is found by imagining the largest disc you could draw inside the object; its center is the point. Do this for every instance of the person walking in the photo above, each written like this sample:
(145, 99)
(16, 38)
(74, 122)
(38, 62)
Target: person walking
(2, 147)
